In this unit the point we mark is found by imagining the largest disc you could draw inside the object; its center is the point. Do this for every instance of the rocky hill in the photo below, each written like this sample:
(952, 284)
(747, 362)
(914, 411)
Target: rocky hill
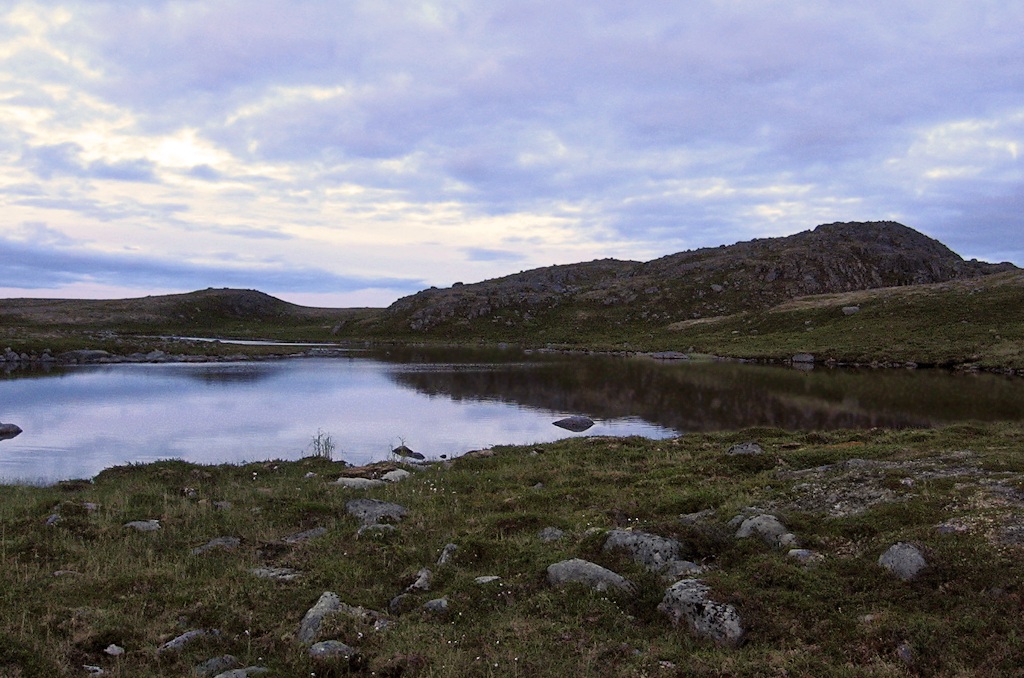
(709, 282)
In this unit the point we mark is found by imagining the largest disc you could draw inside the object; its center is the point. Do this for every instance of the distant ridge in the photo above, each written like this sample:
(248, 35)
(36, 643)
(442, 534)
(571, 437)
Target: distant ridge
(708, 282)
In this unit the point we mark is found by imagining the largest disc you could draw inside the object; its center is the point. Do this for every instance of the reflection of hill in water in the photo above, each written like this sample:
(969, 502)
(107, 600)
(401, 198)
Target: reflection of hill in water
(715, 396)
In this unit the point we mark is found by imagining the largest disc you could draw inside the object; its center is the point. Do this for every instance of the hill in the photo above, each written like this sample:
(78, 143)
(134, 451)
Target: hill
(709, 282)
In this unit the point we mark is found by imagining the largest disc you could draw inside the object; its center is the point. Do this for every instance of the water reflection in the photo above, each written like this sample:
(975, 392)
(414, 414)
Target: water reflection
(80, 420)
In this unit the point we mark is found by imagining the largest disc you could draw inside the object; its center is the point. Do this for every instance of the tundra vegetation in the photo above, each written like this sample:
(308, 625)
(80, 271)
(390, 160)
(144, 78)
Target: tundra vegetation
(79, 587)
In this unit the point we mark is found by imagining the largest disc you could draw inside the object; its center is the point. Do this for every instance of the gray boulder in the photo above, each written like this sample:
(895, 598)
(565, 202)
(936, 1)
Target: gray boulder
(244, 673)
(803, 358)
(851, 310)
(332, 651)
(184, 639)
(309, 627)
(276, 573)
(8, 431)
(372, 511)
(579, 571)
(904, 560)
(575, 423)
(447, 553)
(687, 602)
(768, 529)
(550, 534)
(398, 475)
(358, 483)
(749, 447)
(403, 451)
(215, 665)
(657, 554)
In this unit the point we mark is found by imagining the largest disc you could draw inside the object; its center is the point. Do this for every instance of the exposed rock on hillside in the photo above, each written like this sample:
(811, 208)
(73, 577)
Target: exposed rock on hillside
(839, 257)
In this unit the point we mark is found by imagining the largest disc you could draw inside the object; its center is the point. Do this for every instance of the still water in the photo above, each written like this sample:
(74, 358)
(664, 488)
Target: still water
(79, 420)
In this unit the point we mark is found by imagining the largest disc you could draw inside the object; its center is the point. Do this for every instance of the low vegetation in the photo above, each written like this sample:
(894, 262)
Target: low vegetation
(74, 580)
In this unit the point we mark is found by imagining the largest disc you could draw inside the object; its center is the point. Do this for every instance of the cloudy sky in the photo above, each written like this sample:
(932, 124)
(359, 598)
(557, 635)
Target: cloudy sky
(344, 153)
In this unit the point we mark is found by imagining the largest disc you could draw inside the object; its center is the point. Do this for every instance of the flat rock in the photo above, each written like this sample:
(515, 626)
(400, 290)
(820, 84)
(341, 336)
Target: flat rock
(579, 571)
(144, 525)
(305, 535)
(184, 639)
(436, 606)
(748, 447)
(372, 511)
(375, 531)
(215, 665)
(486, 579)
(244, 673)
(276, 573)
(687, 602)
(904, 560)
(575, 423)
(332, 650)
(398, 475)
(224, 543)
(309, 627)
(358, 483)
(550, 534)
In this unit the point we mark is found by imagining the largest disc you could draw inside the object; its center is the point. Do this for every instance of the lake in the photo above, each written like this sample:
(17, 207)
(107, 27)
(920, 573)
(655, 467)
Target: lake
(79, 420)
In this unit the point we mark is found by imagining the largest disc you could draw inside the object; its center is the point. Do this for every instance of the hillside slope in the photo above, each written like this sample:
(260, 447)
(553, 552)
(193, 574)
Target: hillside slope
(710, 282)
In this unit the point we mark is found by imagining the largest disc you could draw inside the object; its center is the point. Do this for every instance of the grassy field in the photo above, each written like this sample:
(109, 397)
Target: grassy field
(72, 586)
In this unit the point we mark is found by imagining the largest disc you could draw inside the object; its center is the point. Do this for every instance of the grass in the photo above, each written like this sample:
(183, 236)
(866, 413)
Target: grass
(844, 617)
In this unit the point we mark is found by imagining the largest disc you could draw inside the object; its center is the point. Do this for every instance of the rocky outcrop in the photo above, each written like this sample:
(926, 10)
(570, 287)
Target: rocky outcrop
(838, 257)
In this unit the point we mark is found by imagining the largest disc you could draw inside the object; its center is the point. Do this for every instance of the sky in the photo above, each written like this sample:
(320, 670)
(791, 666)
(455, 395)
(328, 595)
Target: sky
(349, 153)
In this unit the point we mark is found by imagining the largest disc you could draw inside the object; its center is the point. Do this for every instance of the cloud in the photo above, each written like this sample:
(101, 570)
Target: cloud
(329, 130)
(43, 258)
(65, 159)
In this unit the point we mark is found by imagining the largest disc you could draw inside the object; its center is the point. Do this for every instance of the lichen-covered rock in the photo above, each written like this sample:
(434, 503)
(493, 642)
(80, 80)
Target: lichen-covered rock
(550, 534)
(358, 483)
(372, 511)
(332, 651)
(656, 553)
(748, 447)
(687, 602)
(904, 560)
(579, 571)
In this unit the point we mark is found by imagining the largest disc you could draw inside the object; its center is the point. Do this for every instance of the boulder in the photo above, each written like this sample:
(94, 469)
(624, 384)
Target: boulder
(332, 651)
(395, 476)
(904, 560)
(358, 483)
(309, 627)
(184, 639)
(851, 310)
(803, 358)
(8, 431)
(446, 553)
(403, 451)
(550, 534)
(749, 447)
(575, 423)
(247, 672)
(276, 573)
(768, 529)
(657, 554)
(373, 511)
(579, 571)
(215, 665)
(687, 602)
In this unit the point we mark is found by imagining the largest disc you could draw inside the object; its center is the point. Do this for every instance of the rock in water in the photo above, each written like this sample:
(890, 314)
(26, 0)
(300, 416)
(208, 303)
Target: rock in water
(575, 423)
(403, 451)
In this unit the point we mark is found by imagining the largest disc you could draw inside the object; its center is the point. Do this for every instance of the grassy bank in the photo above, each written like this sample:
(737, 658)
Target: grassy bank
(72, 586)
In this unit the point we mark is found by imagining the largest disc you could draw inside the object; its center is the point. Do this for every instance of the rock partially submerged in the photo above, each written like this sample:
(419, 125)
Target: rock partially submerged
(575, 423)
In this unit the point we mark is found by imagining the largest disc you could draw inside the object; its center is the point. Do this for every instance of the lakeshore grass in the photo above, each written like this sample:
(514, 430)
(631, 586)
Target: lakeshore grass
(71, 588)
